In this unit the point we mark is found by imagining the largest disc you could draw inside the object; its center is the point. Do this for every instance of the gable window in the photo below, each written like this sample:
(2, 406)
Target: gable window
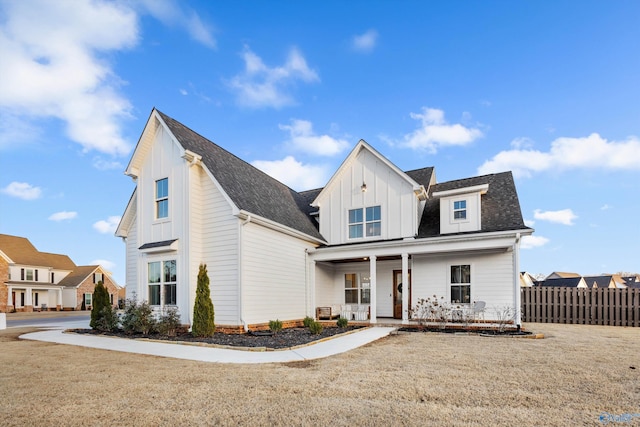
(356, 291)
(461, 284)
(162, 198)
(367, 225)
(162, 283)
(460, 209)
(97, 277)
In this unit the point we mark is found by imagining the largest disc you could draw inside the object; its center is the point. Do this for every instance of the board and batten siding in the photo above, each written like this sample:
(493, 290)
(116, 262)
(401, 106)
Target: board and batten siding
(491, 278)
(215, 232)
(385, 188)
(274, 275)
(131, 273)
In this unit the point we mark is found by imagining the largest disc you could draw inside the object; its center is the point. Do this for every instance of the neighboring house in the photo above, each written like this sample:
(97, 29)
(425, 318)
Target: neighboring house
(375, 237)
(565, 282)
(33, 280)
(562, 275)
(527, 280)
(600, 282)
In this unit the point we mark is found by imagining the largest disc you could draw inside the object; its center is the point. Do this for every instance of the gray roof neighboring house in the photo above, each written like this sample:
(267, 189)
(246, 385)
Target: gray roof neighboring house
(598, 281)
(568, 282)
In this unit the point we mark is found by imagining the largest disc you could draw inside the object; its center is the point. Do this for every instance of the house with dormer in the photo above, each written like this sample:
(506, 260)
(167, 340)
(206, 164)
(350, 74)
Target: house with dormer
(375, 238)
(31, 280)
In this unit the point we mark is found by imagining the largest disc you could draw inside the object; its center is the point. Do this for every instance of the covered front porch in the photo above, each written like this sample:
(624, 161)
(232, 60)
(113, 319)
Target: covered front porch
(24, 297)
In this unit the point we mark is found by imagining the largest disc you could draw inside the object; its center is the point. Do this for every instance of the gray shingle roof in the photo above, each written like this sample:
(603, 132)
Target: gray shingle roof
(248, 187)
(500, 205)
(567, 282)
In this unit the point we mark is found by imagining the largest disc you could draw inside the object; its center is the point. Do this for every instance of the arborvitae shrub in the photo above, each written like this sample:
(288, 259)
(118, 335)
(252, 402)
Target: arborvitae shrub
(101, 311)
(203, 313)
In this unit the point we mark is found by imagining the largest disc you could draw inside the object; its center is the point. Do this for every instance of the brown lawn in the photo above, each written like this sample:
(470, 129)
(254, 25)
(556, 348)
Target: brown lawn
(569, 378)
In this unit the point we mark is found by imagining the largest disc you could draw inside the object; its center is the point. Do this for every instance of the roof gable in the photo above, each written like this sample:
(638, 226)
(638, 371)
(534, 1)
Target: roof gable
(351, 158)
(79, 275)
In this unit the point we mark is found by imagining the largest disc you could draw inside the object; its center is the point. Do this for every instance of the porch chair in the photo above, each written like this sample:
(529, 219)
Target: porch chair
(478, 309)
(362, 313)
(345, 311)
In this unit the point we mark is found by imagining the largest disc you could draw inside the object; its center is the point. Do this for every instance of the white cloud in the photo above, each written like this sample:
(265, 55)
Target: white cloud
(435, 132)
(566, 154)
(102, 164)
(564, 216)
(108, 226)
(55, 63)
(365, 42)
(529, 222)
(261, 86)
(302, 138)
(107, 265)
(171, 14)
(530, 242)
(293, 173)
(605, 207)
(22, 190)
(62, 216)
(53, 66)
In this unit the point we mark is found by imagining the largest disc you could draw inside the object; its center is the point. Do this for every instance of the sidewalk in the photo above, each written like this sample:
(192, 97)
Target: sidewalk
(217, 355)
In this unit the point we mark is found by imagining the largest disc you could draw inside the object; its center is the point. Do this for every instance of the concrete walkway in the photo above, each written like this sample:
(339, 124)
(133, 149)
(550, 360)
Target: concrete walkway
(318, 350)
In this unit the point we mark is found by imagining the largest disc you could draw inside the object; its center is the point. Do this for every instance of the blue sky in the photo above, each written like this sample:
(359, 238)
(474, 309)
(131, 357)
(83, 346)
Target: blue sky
(547, 89)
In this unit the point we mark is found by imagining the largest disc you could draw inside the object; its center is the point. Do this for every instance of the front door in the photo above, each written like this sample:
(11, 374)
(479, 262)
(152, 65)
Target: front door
(397, 293)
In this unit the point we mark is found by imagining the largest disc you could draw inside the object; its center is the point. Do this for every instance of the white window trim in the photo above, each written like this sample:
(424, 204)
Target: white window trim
(364, 223)
(471, 283)
(453, 210)
(162, 283)
(157, 200)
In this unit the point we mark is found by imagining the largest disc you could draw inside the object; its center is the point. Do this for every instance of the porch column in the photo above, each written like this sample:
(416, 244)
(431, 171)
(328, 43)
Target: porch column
(59, 303)
(311, 286)
(9, 292)
(373, 284)
(405, 288)
(28, 302)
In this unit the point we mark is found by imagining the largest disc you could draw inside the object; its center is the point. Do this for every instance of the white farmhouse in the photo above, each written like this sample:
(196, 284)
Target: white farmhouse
(375, 238)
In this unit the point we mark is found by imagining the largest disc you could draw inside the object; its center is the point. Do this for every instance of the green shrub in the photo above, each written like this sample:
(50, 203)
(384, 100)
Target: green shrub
(102, 314)
(316, 328)
(138, 318)
(307, 321)
(169, 322)
(342, 322)
(203, 313)
(275, 326)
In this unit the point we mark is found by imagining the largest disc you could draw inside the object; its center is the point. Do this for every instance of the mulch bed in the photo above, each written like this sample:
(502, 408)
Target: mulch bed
(483, 332)
(286, 338)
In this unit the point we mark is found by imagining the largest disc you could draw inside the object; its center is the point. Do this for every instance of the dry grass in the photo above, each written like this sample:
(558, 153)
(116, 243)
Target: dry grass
(569, 378)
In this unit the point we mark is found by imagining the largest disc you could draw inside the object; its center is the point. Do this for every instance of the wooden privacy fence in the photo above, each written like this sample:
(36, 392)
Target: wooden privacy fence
(603, 306)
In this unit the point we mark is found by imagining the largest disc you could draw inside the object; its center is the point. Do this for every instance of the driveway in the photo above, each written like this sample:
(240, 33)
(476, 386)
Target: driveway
(50, 319)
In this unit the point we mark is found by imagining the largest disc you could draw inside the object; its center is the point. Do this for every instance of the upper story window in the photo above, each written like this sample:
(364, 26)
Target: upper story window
(97, 277)
(460, 209)
(364, 222)
(26, 274)
(162, 198)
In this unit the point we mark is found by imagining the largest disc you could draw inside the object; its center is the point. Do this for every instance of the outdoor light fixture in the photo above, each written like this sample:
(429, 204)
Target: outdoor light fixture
(363, 187)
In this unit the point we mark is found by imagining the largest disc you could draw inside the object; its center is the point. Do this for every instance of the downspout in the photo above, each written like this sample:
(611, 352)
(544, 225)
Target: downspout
(245, 326)
(516, 280)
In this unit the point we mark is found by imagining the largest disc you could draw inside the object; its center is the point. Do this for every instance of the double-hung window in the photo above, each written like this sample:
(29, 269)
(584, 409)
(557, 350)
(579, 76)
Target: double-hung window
(364, 222)
(162, 283)
(162, 198)
(461, 284)
(460, 209)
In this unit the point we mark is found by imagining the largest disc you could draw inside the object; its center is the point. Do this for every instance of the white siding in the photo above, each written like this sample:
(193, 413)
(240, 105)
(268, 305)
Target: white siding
(491, 278)
(131, 275)
(273, 275)
(215, 233)
(385, 188)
